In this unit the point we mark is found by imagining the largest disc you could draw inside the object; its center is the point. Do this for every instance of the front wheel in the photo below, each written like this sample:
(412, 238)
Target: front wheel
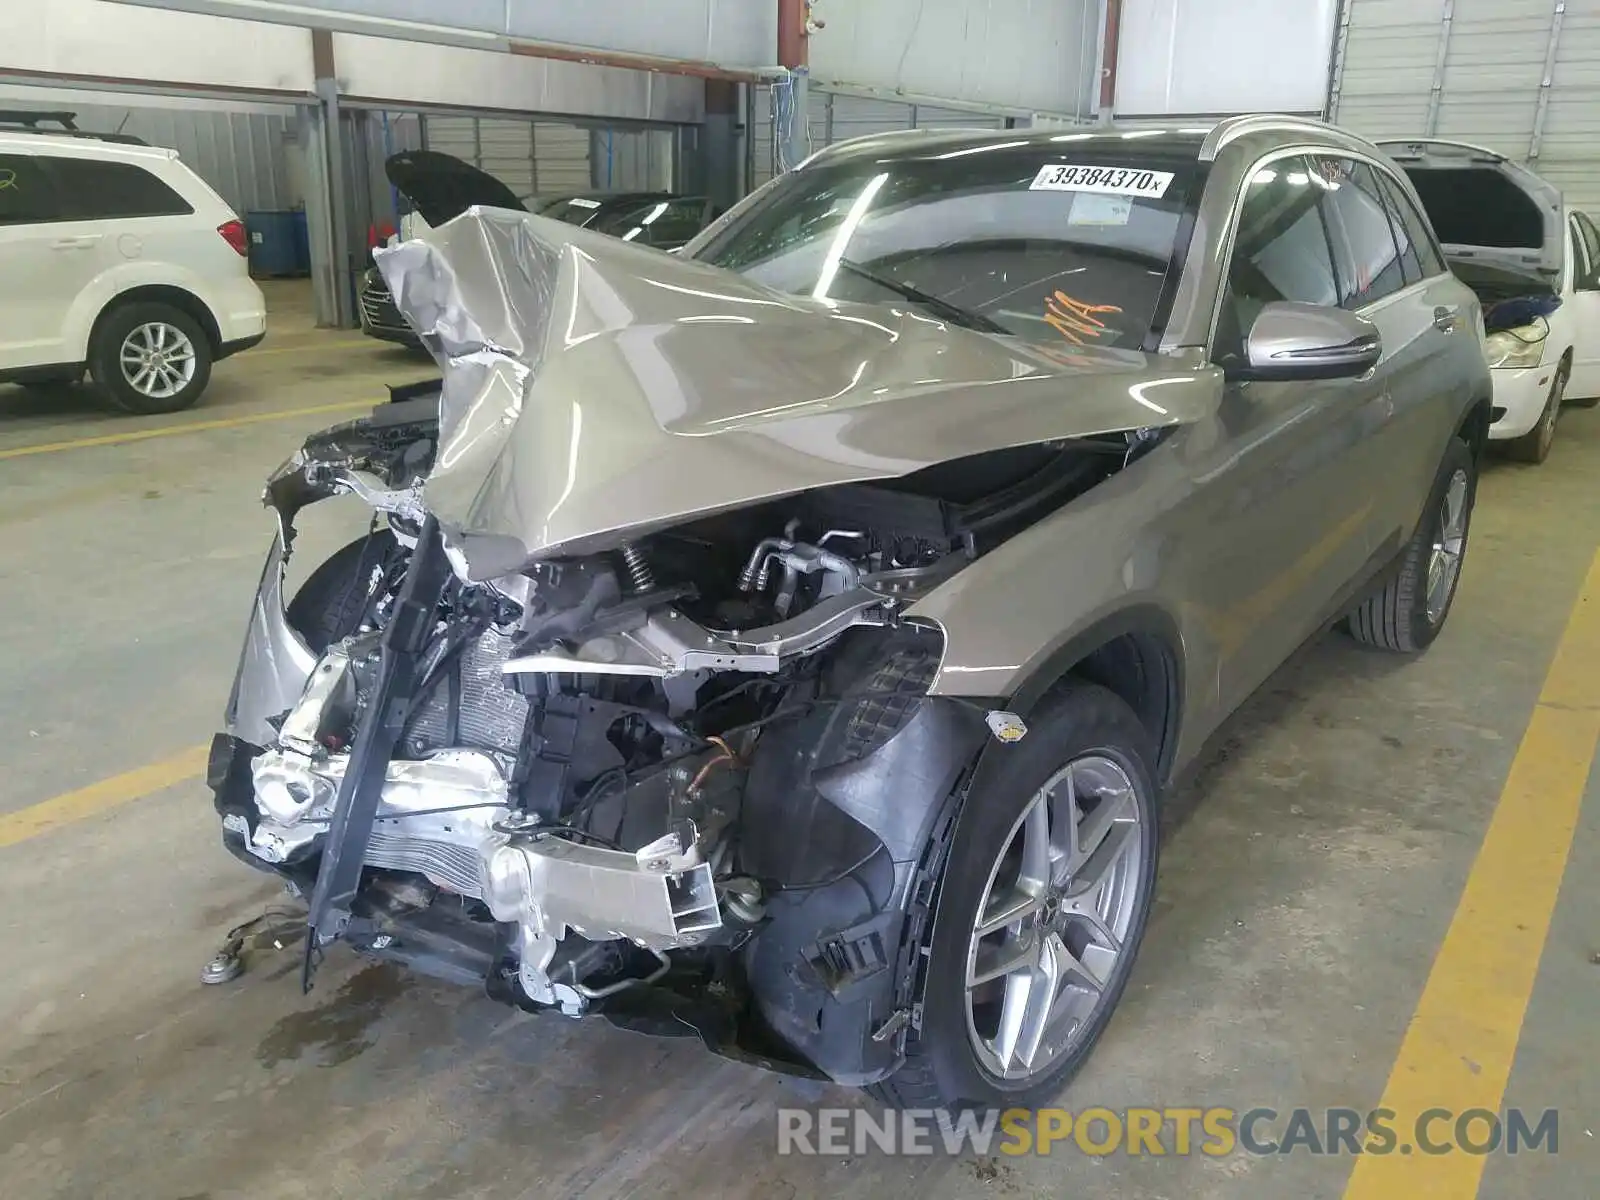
(1534, 446)
(1043, 902)
(150, 357)
(1408, 611)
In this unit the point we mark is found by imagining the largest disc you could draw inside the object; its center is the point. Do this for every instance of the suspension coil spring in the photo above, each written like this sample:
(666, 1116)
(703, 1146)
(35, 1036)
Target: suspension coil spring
(640, 577)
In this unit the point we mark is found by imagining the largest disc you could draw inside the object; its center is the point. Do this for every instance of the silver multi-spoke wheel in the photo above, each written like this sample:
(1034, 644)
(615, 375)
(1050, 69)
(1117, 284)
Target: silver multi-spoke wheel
(1055, 918)
(1444, 562)
(157, 360)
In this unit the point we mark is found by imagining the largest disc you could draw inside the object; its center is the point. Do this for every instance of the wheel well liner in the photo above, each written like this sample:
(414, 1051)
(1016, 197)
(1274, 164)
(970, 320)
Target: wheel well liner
(163, 293)
(1474, 426)
(1134, 653)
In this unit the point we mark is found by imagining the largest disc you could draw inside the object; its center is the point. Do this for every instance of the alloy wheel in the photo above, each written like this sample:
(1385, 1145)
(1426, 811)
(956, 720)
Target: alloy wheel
(1055, 917)
(157, 360)
(1449, 540)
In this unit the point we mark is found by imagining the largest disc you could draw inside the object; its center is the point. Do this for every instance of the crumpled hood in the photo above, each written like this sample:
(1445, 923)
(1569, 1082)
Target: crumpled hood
(593, 387)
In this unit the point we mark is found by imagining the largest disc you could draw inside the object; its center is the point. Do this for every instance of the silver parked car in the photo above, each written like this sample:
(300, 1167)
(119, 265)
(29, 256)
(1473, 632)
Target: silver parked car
(790, 642)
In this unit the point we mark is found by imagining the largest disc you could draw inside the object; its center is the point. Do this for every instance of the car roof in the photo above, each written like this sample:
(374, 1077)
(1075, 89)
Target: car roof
(18, 141)
(1202, 140)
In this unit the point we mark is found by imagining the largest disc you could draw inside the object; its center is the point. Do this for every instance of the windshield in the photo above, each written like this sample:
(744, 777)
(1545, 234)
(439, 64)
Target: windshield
(574, 210)
(1042, 244)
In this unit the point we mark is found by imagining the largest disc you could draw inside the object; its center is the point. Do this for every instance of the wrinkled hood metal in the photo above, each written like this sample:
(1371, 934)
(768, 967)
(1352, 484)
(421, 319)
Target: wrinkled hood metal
(593, 388)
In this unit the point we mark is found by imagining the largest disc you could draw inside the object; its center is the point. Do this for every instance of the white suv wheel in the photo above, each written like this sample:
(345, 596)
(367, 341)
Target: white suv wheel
(157, 360)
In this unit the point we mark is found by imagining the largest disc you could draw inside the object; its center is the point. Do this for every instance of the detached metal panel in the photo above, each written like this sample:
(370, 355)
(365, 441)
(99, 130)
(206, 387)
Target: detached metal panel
(1191, 57)
(1518, 76)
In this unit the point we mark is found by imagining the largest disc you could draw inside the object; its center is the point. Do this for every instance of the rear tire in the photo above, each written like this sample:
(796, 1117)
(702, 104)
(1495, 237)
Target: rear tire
(1534, 446)
(953, 1060)
(1407, 612)
(149, 357)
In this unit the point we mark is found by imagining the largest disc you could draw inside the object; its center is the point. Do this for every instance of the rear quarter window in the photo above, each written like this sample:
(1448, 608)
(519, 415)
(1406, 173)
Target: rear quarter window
(94, 189)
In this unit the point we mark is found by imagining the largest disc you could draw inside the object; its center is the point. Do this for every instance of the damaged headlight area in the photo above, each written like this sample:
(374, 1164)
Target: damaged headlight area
(692, 781)
(1522, 346)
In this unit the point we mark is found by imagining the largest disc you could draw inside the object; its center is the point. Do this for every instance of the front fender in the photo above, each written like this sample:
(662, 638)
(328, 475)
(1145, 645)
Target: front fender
(274, 663)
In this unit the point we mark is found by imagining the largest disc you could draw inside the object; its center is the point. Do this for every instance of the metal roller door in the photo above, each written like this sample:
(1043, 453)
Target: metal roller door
(1519, 76)
(836, 117)
(528, 156)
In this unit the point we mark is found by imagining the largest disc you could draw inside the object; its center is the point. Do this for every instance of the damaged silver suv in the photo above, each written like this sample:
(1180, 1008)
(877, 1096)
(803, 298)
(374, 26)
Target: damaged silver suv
(790, 642)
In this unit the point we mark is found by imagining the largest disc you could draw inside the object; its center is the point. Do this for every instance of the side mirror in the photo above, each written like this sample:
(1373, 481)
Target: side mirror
(1291, 341)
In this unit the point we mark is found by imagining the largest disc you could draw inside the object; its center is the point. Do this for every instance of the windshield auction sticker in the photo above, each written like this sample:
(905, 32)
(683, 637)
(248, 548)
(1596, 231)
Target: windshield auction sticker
(1108, 181)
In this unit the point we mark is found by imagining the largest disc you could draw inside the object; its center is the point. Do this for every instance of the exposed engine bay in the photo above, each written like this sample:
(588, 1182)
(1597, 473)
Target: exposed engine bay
(651, 781)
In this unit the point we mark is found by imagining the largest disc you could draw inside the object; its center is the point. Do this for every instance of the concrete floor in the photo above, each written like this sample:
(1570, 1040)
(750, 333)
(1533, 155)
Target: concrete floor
(1309, 876)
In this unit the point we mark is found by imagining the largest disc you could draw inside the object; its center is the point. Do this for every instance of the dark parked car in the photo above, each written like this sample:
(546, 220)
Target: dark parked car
(791, 641)
(440, 186)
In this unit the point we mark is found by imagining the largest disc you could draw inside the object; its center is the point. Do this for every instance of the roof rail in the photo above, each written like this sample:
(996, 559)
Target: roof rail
(1233, 128)
(29, 121)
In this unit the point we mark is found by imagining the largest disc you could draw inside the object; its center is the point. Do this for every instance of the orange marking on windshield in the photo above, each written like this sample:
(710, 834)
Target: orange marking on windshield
(1074, 319)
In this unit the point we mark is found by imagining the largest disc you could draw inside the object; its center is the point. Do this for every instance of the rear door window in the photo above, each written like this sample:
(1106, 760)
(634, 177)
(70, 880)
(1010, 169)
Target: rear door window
(1368, 255)
(1415, 228)
(94, 189)
(26, 194)
(1280, 251)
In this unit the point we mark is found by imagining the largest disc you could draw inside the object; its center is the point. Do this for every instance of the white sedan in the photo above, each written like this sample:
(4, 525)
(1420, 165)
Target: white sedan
(1535, 264)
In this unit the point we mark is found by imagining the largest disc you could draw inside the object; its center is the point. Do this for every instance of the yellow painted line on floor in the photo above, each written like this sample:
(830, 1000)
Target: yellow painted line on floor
(101, 797)
(143, 435)
(1459, 1047)
(311, 347)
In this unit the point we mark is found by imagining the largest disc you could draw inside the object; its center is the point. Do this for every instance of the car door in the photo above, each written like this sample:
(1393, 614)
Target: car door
(1584, 297)
(45, 262)
(1399, 442)
(1295, 520)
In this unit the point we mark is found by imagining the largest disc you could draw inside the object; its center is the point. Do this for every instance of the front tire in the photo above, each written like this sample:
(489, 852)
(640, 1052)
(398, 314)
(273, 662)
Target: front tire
(1534, 446)
(150, 357)
(1043, 902)
(1409, 610)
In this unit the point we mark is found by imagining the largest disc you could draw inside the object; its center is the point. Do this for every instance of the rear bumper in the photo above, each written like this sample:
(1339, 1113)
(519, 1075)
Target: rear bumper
(1520, 394)
(241, 312)
(228, 349)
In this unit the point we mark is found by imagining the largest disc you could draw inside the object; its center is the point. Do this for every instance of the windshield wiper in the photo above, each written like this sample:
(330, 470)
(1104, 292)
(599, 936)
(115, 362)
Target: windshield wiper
(944, 308)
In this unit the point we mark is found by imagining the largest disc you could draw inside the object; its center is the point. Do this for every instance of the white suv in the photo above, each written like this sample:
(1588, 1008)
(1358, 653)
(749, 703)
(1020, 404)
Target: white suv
(119, 260)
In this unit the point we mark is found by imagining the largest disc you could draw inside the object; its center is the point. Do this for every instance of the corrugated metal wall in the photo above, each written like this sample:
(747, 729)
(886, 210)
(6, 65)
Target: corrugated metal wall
(1519, 76)
(836, 117)
(243, 155)
(634, 159)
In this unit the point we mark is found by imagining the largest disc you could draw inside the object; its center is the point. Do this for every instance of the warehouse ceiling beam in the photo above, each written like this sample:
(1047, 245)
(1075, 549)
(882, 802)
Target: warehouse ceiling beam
(714, 39)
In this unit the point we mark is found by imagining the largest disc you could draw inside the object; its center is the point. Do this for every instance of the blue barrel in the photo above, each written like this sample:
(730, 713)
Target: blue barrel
(277, 239)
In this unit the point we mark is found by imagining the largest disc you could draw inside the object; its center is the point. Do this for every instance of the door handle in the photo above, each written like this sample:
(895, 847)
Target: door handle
(1445, 318)
(74, 243)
